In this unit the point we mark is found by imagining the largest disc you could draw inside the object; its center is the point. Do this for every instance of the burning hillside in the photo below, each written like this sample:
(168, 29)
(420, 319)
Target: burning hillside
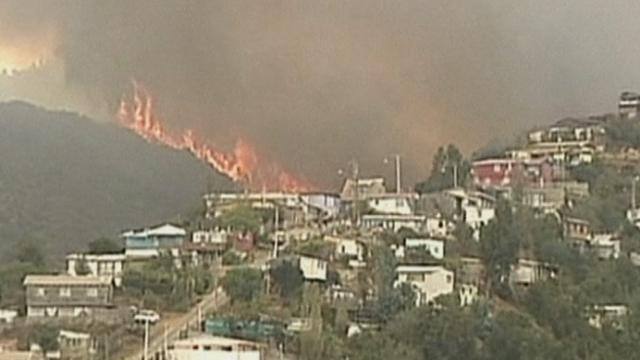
(242, 164)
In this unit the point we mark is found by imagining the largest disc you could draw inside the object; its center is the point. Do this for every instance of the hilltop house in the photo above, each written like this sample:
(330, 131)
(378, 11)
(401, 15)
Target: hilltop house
(474, 208)
(435, 247)
(350, 249)
(392, 203)
(146, 243)
(313, 269)
(629, 105)
(76, 345)
(393, 222)
(527, 272)
(428, 282)
(111, 265)
(67, 296)
(366, 188)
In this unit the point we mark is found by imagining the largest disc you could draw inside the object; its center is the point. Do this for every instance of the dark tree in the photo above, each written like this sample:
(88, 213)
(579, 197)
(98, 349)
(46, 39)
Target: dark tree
(104, 246)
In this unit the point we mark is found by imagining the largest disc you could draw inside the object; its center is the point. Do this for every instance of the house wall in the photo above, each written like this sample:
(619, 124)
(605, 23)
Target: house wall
(437, 226)
(392, 223)
(38, 296)
(313, 269)
(209, 237)
(350, 248)
(391, 205)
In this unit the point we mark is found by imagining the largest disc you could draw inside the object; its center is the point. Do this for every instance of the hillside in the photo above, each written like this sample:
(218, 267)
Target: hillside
(65, 180)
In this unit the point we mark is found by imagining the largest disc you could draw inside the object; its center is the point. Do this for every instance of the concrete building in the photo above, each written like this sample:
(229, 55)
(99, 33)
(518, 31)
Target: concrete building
(67, 296)
(208, 347)
(111, 265)
(428, 282)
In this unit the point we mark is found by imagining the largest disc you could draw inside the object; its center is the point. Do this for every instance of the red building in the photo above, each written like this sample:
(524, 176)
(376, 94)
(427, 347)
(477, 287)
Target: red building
(501, 172)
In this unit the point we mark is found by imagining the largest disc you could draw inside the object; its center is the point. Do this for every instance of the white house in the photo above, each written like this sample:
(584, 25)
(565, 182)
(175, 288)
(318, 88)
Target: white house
(438, 226)
(633, 215)
(428, 282)
(7, 316)
(399, 204)
(348, 248)
(313, 268)
(605, 246)
(611, 314)
(475, 208)
(213, 236)
(393, 222)
(98, 265)
(468, 294)
(208, 347)
(435, 247)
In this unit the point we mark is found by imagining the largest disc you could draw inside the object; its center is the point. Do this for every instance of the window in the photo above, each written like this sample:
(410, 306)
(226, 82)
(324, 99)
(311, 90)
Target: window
(93, 292)
(65, 292)
(40, 291)
(449, 279)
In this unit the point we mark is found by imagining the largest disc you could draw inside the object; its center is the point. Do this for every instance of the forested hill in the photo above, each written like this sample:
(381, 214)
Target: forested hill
(65, 180)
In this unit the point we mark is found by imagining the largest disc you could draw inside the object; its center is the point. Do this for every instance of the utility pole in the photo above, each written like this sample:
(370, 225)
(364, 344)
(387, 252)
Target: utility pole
(356, 193)
(398, 181)
(633, 192)
(146, 340)
(455, 176)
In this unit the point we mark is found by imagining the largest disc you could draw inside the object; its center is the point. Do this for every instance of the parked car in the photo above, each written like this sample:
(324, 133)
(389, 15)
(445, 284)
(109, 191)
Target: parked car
(144, 316)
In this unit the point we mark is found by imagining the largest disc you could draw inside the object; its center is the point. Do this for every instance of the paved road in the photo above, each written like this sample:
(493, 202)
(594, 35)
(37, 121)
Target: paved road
(187, 321)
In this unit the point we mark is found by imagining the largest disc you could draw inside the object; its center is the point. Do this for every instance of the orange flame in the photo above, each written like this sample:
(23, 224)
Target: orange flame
(241, 165)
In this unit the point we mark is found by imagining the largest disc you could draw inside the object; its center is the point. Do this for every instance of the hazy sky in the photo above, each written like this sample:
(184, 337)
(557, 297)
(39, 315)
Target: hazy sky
(316, 83)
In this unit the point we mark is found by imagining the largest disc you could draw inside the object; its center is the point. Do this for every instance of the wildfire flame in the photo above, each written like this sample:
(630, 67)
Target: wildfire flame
(242, 165)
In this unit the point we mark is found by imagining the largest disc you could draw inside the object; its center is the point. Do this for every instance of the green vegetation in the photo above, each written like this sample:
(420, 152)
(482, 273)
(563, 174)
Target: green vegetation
(288, 280)
(243, 218)
(160, 284)
(448, 167)
(243, 284)
(66, 180)
(231, 258)
(45, 335)
(82, 268)
(104, 245)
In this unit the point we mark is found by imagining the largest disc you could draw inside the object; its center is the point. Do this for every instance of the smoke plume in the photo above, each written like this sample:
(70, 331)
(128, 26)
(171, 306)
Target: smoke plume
(317, 83)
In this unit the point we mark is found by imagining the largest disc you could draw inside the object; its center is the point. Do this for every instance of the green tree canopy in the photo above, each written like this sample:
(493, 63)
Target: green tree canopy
(241, 218)
(104, 246)
(288, 279)
(448, 167)
(243, 284)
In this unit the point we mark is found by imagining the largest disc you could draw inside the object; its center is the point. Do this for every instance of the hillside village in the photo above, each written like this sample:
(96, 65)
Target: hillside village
(531, 252)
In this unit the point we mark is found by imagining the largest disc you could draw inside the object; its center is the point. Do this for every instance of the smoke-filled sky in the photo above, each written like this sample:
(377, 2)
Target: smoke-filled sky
(314, 84)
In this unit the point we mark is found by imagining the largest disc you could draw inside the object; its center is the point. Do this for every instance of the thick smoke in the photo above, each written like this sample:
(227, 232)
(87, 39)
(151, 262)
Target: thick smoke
(316, 83)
